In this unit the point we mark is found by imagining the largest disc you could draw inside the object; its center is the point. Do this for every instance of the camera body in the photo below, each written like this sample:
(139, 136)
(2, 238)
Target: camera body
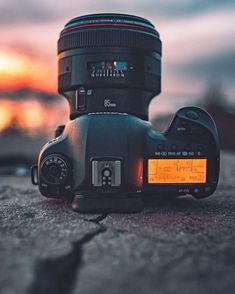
(115, 161)
(108, 157)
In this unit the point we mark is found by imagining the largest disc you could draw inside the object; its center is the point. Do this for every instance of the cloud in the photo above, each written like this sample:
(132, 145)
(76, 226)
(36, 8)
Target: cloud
(32, 11)
(196, 35)
(187, 8)
(219, 67)
(24, 49)
(25, 11)
(191, 77)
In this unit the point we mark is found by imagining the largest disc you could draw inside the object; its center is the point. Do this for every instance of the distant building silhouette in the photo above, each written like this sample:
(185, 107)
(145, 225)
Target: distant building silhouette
(216, 103)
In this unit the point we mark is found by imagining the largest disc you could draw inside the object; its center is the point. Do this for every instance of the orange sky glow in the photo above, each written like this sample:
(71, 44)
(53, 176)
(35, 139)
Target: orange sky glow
(192, 44)
(21, 71)
(197, 39)
(31, 116)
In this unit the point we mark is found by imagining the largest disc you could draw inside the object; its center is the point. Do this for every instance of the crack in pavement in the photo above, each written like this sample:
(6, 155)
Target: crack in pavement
(57, 275)
(98, 219)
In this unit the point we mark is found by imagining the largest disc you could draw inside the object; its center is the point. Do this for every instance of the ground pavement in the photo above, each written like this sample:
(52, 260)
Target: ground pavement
(179, 246)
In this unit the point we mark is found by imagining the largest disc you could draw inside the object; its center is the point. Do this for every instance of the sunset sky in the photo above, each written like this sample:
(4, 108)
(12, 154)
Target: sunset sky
(197, 35)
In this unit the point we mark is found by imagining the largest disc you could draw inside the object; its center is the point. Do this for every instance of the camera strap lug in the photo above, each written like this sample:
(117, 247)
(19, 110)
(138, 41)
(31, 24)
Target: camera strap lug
(34, 175)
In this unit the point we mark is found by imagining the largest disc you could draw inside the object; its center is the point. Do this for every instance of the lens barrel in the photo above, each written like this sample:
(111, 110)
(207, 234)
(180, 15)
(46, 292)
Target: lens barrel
(109, 62)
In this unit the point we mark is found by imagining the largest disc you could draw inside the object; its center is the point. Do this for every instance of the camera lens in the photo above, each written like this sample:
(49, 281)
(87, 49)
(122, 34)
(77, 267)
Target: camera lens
(109, 63)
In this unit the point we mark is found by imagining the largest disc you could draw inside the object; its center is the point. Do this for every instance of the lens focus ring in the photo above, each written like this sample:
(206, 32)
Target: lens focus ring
(121, 31)
(112, 38)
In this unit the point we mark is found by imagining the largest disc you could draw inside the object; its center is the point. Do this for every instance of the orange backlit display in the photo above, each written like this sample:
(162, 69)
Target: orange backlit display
(176, 171)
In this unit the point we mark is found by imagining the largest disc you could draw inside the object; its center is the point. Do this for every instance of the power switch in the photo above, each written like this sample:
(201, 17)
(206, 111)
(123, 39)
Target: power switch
(81, 99)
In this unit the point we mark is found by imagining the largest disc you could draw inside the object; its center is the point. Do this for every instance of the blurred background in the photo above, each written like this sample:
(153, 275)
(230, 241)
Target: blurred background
(198, 67)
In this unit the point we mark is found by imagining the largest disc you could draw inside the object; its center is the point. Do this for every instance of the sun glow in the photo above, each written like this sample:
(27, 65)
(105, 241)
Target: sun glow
(10, 64)
(6, 115)
(18, 71)
(32, 117)
(27, 116)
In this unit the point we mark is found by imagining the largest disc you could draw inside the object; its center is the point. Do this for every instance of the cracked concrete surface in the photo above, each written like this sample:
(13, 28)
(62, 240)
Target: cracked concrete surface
(179, 246)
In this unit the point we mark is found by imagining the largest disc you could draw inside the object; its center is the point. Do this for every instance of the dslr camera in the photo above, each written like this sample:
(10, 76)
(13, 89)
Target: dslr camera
(108, 157)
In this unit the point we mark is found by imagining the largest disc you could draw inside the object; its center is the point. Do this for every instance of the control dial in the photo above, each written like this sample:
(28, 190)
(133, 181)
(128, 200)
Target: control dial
(54, 169)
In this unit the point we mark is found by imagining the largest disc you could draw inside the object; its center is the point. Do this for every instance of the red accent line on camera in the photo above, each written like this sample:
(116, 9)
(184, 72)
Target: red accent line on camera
(109, 25)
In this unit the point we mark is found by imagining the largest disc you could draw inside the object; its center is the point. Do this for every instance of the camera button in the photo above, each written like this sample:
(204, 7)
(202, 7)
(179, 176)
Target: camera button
(81, 99)
(192, 115)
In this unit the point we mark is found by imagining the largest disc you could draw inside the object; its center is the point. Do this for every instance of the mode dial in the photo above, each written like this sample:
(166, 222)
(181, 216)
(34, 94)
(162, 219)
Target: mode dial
(54, 169)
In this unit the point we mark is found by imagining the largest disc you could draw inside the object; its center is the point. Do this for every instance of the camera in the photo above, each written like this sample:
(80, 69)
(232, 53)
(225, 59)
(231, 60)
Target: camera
(108, 157)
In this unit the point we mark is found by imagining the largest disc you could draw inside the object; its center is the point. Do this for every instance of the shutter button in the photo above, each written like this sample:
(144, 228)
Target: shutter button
(192, 115)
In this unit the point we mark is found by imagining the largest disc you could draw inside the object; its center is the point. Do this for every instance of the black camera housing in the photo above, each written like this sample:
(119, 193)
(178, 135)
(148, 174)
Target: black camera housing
(65, 163)
(108, 157)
